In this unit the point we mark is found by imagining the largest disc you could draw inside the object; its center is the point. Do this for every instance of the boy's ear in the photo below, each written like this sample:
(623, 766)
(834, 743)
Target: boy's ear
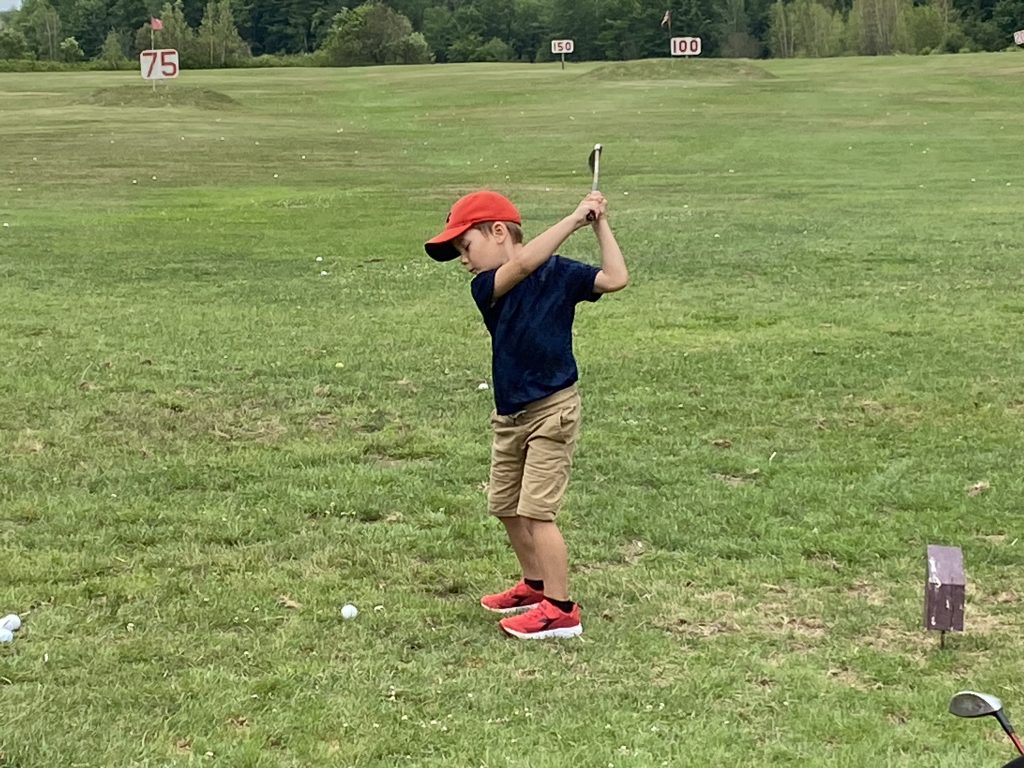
(499, 231)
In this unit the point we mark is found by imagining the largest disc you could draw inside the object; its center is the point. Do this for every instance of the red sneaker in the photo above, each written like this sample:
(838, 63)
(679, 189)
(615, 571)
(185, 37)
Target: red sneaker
(521, 597)
(543, 622)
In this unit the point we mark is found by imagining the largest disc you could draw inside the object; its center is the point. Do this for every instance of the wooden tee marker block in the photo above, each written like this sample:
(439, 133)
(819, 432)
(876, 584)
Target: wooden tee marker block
(944, 591)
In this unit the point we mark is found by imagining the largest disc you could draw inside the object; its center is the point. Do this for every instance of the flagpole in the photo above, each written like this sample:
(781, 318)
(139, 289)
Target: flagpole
(152, 43)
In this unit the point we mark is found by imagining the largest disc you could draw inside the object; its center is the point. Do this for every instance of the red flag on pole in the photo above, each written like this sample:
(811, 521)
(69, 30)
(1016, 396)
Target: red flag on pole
(667, 19)
(155, 24)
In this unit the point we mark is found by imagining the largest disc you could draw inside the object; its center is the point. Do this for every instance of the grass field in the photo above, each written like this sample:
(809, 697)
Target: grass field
(208, 446)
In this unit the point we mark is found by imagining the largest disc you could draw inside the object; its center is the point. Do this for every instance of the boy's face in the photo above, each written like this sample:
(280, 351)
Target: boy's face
(482, 252)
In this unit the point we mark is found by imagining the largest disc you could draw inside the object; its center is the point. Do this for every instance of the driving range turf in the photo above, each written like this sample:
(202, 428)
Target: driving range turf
(209, 446)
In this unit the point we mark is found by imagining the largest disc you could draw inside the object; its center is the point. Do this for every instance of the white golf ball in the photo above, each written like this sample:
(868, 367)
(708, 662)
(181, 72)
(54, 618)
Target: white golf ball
(11, 622)
(349, 611)
(6, 636)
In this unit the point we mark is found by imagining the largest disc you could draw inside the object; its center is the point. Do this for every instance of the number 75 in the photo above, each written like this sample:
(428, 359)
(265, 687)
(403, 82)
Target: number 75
(158, 65)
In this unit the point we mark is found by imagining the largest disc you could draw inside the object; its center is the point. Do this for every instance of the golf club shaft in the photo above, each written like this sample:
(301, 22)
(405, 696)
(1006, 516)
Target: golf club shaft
(1004, 721)
(596, 158)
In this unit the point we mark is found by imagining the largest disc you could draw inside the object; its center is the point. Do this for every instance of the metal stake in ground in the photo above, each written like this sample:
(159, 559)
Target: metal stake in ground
(595, 167)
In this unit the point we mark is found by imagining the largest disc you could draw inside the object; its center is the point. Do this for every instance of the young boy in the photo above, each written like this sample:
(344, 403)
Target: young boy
(527, 296)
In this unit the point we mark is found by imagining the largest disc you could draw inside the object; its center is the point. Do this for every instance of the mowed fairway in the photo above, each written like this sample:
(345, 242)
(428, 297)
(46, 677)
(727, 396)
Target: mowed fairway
(208, 447)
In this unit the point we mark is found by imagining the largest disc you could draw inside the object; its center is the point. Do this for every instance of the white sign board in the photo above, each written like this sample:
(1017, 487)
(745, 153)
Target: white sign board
(159, 64)
(686, 46)
(1018, 37)
(562, 46)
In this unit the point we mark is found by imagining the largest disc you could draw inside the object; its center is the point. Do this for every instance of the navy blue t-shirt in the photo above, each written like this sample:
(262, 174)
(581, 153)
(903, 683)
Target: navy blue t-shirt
(531, 330)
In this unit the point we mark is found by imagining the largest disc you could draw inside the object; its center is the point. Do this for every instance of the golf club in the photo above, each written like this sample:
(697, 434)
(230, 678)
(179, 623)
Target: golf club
(973, 704)
(595, 167)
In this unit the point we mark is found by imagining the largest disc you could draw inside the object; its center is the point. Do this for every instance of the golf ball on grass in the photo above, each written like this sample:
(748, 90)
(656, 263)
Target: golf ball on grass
(11, 622)
(349, 611)
(6, 636)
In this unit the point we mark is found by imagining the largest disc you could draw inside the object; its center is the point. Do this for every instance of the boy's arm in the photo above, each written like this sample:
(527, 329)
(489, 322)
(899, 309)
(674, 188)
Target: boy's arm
(542, 247)
(613, 275)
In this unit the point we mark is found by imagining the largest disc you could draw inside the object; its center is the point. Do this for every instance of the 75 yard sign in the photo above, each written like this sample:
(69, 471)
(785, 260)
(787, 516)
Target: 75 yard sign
(159, 64)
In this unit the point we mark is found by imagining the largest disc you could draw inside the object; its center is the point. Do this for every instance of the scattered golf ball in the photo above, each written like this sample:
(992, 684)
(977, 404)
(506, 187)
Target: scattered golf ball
(482, 386)
(11, 622)
(349, 611)
(6, 636)
(319, 258)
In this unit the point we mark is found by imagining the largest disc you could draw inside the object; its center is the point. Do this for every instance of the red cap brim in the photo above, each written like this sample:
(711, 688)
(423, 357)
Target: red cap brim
(441, 248)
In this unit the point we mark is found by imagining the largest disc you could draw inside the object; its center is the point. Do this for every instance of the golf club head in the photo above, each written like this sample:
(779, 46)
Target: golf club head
(973, 704)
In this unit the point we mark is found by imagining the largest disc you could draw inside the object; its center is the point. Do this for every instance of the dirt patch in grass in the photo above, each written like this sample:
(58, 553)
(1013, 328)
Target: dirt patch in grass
(737, 479)
(693, 70)
(170, 95)
(248, 424)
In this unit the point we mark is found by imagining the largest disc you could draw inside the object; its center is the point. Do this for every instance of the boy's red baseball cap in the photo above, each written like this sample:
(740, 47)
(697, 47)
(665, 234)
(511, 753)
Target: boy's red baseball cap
(474, 208)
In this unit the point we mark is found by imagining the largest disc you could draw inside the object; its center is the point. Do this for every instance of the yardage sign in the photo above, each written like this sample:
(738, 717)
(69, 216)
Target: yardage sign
(159, 64)
(686, 46)
(562, 46)
(1018, 37)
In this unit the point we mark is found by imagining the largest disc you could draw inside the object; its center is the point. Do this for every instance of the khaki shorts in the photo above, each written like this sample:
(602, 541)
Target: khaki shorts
(531, 456)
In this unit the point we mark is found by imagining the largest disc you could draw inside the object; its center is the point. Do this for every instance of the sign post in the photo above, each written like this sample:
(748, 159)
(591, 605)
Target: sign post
(685, 46)
(562, 47)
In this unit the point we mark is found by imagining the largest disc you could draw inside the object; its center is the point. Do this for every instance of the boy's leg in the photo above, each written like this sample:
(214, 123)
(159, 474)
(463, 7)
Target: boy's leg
(552, 556)
(549, 453)
(508, 454)
(520, 535)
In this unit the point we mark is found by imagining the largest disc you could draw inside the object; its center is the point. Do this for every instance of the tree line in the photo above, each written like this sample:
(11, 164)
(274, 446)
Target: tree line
(218, 33)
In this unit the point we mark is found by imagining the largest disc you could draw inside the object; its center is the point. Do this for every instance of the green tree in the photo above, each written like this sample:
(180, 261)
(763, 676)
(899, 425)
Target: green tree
(176, 33)
(13, 44)
(881, 26)
(439, 31)
(925, 29)
(734, 38)
(817, 31)
(88, 22)
(1008, 16)
(529, 29)
(112, 52)
(42, 27)
(70, 50)
(781, 31)
(373, 33)
(218, 43)
(322, 19)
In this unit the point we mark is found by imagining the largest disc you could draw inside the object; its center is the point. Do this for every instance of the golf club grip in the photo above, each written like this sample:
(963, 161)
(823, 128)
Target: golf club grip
(1016, 742)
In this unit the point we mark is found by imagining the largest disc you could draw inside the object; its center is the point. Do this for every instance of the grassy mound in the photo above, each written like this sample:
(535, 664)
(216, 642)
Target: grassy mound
(165, 95)
(670, 69)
